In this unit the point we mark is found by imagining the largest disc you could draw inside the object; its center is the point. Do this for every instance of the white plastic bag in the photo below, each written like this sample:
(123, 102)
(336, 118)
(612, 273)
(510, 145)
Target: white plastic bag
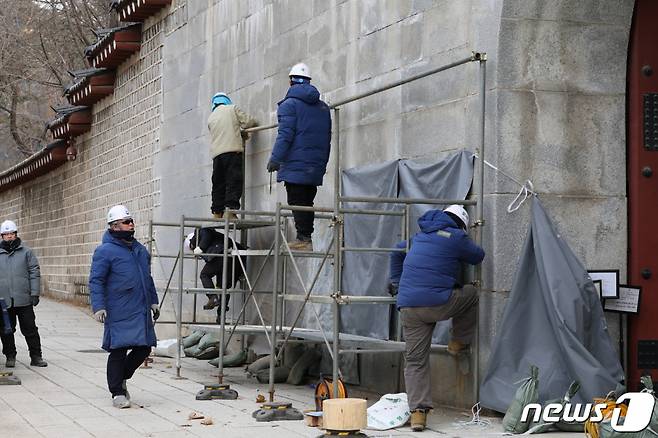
(391, 411)
(165, 348)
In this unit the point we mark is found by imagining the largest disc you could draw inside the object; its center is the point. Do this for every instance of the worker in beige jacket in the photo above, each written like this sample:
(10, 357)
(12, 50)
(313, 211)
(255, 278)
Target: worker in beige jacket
(225, 124)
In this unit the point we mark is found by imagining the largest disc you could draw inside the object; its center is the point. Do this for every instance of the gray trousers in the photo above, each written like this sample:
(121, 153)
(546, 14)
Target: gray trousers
(417, 326)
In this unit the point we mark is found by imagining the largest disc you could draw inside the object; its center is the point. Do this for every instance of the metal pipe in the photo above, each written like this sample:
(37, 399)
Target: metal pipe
(179, 316)
(222, 310)
(371, 212)
(480, 216)
(433, 349)
(406, 200)
(202, 290)
(261, 128)
(338, 243)
(473, 57)
(277, 248)
(357, 249)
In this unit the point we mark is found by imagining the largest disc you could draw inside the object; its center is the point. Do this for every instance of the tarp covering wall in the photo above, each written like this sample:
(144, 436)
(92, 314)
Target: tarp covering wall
(367, 273)
(554, 320)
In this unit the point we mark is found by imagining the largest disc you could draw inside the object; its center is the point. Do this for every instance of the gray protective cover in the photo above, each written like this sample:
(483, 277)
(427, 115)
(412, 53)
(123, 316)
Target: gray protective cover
(553, 319)
(367, 273)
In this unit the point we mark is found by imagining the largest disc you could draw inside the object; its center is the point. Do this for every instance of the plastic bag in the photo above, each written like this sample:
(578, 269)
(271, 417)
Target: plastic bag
(526, 393)
(391, 411)
(165, 348)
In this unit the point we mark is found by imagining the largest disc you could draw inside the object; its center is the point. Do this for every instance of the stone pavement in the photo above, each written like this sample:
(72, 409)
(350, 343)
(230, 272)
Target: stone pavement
(69, 398)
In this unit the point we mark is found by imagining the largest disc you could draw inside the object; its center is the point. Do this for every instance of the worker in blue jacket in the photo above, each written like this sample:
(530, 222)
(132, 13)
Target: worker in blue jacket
(301, 151)
(123, 297)
(426, 281)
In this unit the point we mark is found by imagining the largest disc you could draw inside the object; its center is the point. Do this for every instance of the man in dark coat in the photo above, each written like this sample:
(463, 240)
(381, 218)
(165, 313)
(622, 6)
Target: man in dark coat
(20, 281)
(301, 150)
(123, 297)
(212, 242)
(429, 291)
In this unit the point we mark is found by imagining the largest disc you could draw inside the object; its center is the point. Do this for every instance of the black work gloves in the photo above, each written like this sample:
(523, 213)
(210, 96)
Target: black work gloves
(272, 166)
(34, 300)
(393, 289)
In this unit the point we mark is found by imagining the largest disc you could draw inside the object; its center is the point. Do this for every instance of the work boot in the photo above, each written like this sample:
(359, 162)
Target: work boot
(218, 215)
(231, 216)
(456, 347)
(125, 388)
(301, 245)
(37, 361)
(120, 401)
(418, 420)
(213, 302)
(11, 362)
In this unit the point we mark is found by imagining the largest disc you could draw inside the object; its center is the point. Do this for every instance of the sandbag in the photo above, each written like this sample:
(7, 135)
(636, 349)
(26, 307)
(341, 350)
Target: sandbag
(165, 348)
(525, 394)
(292, 353)
(192, 351)
(209, 353)
(542, 426)
(192, 339)
(208, 340)
(259, 364)
(298, 370)
(280, 375)
(231, 360)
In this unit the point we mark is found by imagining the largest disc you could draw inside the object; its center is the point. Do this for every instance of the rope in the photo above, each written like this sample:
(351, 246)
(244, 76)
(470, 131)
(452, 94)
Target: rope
(526, 190)
(475, 420)
(521, 197)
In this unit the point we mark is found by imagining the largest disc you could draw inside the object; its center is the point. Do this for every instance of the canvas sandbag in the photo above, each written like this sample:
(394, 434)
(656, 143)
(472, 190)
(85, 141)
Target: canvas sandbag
(192, 339)
(525, 394)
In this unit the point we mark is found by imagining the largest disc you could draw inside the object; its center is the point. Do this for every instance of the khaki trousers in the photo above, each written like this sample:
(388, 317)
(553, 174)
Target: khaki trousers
(417, 326)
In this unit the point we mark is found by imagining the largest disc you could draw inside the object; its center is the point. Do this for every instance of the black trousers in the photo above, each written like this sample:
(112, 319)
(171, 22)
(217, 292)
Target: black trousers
(301, 194)
(227, 181)
(121, 366)
(27, 322)
(214, 268)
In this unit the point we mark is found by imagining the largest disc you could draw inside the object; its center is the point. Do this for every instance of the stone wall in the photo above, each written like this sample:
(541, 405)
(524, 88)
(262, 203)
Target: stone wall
(62, 214)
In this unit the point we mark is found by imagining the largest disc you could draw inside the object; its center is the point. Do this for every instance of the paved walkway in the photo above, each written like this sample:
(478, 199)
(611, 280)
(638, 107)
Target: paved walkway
(69, 398)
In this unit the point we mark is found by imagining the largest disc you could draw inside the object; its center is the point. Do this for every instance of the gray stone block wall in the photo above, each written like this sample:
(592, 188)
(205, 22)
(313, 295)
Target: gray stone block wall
(62, 215)
(555, 115)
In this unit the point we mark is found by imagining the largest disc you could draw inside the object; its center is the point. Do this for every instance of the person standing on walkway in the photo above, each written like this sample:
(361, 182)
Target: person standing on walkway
(123, 297)
(226, 123)
(301, 151)
(426, 281)
(20, 286)
(211, 241)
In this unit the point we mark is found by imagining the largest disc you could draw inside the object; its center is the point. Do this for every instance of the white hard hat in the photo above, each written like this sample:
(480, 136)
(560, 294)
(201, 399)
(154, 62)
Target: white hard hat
(460, 212)
(189, 237)
(300, 69)
(117, 213)
(8, 227)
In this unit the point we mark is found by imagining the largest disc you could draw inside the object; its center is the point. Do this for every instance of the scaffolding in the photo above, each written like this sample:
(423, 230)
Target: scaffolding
(281, 256)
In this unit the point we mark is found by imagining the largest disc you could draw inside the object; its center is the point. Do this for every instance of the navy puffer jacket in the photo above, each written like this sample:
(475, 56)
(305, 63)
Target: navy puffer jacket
(429, 271)
(120, 282)
(304, 139)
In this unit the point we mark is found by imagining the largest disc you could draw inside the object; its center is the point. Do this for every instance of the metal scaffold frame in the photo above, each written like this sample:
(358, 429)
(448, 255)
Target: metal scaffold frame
(281, 255)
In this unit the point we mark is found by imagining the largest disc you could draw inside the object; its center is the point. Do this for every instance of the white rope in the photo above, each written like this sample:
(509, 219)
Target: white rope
(521, 197)
(475, 420)
(526, 190)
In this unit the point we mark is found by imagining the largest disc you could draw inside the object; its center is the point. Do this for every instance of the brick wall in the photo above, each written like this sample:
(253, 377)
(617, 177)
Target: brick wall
(62, 214)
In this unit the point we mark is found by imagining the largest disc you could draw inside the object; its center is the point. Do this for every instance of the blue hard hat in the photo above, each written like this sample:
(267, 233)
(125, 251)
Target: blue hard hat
(220, 99)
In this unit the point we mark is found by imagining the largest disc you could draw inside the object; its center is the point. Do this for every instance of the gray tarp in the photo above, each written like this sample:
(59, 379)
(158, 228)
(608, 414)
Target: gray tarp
(367, 273)
(554, 320)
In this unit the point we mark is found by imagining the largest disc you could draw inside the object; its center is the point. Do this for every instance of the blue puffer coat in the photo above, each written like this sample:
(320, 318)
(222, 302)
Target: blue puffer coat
(120, 282)
(429, 271)
(304, 140)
